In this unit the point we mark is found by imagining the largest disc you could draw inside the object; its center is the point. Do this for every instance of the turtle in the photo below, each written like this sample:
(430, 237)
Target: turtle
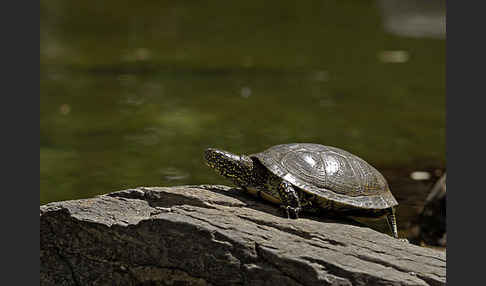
(310, 177)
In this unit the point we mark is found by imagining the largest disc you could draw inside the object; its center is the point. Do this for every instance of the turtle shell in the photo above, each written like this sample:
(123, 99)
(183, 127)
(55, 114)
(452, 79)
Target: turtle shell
(329, 172)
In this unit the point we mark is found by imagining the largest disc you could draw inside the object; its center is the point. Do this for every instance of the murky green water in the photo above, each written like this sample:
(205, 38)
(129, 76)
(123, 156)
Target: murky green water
(132, 94)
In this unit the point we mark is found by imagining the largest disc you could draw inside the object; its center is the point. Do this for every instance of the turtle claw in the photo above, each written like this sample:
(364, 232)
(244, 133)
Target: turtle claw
(292, 213)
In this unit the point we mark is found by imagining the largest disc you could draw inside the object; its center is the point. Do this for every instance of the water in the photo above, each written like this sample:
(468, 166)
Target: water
(132, 95)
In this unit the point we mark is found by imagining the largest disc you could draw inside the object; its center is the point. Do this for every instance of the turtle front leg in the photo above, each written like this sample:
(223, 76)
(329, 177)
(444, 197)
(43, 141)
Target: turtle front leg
(290, 199)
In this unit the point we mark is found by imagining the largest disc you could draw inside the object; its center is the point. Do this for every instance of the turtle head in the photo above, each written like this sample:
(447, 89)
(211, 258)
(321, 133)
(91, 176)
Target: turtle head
(237, 168)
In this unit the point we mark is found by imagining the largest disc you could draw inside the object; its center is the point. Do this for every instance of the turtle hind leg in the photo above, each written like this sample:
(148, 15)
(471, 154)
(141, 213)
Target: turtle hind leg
(290, 199)
(392, 223)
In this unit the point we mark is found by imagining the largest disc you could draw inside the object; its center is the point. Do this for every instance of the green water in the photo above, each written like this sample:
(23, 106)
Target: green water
(132, 94)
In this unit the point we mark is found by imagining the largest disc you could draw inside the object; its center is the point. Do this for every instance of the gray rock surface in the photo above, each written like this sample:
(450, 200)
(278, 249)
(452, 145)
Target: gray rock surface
(215, 235)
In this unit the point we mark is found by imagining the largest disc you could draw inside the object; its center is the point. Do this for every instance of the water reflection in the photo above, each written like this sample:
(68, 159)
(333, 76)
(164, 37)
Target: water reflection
(396, 57)
(119, 132)
(245, 92)
(174, 174)
(414, 18)
(149, 137)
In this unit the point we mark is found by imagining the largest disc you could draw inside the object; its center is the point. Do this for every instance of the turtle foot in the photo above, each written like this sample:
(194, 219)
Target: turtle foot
(291, 212)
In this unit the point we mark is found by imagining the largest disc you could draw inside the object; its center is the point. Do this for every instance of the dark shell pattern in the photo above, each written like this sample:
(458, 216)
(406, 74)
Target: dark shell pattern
(330, 173)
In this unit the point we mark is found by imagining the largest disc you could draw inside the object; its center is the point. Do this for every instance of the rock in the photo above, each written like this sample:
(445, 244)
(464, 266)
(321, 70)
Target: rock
(216, 235)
